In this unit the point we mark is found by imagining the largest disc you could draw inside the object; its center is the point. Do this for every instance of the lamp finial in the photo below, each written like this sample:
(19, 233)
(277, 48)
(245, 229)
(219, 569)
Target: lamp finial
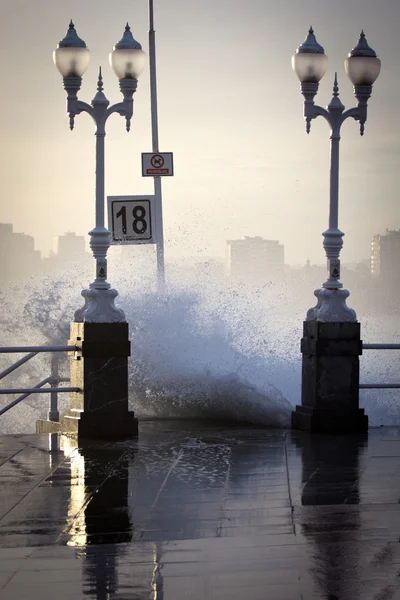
(335, 86)
(100, 86)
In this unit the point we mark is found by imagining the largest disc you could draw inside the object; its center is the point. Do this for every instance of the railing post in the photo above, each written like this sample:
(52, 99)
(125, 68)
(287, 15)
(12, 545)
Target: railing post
(54, 415)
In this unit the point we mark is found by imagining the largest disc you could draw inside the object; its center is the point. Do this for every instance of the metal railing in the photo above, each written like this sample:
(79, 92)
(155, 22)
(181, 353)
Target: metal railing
(54, 380)
(378, 386)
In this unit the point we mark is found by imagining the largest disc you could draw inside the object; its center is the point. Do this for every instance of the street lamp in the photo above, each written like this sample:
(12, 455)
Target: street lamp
(127, 60)
(362, 67)
(331, 343)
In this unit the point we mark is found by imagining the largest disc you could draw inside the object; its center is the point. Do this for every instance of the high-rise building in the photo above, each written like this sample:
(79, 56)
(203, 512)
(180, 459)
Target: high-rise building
(66, 249)
(254, 258)
(19, 258)
(385, 256)
(68, 246)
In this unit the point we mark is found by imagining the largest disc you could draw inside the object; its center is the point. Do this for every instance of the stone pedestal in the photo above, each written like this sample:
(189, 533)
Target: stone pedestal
(100, 369)
(330, 379)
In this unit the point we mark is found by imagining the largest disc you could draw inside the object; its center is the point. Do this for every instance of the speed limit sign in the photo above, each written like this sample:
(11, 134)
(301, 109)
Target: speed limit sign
(131, 219)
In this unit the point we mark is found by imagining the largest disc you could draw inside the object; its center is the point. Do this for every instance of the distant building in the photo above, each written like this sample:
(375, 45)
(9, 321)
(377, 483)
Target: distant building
(19, 258)
(385, 256)
(254, 258)
(66, 248)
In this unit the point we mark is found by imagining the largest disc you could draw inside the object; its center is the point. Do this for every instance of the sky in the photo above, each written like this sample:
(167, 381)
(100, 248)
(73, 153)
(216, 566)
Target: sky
(230, 109)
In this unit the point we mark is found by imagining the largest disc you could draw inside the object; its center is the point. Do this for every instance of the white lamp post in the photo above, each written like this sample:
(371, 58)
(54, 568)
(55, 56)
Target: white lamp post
(362, 67)
(127, 59)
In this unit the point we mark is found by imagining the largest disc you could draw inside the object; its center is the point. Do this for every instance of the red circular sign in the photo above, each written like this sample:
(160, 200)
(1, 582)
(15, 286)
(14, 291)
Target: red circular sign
(157, 161)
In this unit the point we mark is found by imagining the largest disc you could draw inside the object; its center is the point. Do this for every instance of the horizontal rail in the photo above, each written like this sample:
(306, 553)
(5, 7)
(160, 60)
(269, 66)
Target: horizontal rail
(54, 380)
(381, 346)
(20, 398)
(38, 391)
(377, 386)
(15, 366)
(380, 386)
(13, 349)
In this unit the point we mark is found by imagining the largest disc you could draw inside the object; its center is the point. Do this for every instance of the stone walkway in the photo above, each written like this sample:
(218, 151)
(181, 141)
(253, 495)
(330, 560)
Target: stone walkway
(201, 512)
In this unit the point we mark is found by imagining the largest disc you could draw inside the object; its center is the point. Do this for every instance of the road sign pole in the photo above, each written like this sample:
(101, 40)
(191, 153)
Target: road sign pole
(160, 236)
(154, 130)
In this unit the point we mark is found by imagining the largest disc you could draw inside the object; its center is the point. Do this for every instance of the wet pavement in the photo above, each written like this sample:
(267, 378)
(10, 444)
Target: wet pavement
(199, 511)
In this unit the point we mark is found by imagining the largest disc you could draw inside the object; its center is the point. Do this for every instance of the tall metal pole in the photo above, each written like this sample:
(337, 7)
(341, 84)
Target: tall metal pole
(154, 132)
(334, 182)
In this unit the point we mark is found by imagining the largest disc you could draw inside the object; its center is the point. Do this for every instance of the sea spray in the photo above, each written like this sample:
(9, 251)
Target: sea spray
(208, 348)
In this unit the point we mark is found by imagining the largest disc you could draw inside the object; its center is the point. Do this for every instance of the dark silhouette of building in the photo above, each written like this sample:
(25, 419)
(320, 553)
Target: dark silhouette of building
(385, 269)
(385, 256)
(255, 258)
(19, 258)
(66, 249)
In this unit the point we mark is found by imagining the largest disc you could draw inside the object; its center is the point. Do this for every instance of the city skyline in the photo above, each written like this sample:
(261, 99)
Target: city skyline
(71, 245)
(230, 109)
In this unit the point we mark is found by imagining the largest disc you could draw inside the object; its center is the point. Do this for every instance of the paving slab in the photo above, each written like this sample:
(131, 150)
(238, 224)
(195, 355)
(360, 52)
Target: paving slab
(201, 511)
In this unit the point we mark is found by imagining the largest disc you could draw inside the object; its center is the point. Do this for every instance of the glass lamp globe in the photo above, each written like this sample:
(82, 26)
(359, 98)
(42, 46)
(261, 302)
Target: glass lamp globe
(362, 66)
(127, 58)
(310, 62)
(72, 55)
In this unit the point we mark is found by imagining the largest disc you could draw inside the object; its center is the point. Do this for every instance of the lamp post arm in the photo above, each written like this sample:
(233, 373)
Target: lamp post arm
(124, 108)
(77, 107)
(312, 111)
(355, 113)
(358, 113)
(119, 107)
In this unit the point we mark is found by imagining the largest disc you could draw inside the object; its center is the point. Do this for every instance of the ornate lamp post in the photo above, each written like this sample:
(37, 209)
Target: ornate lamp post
(331, 344)
(127, 59)
(99, 368)
(362, 67)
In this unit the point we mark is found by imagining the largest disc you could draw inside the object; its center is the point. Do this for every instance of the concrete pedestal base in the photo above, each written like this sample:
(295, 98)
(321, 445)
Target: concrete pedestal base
(328, 420)
(99, 426)
(330, 379)
(100, 369)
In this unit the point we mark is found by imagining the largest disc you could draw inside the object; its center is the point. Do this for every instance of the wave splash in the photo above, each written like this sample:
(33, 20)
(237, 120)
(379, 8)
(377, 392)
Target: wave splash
(189, 361)
(208, 349)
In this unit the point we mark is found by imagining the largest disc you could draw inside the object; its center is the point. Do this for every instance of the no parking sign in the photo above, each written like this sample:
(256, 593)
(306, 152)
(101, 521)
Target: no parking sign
(157, 164)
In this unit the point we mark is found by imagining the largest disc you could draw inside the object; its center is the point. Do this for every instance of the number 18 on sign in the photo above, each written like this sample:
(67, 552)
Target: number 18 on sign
(131, 219)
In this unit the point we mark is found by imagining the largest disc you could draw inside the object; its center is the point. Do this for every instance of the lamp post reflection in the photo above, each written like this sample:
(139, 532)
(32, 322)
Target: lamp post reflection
(98, 515)
(157, 582)
(330, 477)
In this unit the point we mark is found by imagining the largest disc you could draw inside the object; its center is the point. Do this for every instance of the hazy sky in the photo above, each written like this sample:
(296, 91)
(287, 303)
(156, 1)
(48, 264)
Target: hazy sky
(230, 109)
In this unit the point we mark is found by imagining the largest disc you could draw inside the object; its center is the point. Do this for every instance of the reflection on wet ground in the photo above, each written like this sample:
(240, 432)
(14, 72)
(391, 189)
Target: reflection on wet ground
(203, 512)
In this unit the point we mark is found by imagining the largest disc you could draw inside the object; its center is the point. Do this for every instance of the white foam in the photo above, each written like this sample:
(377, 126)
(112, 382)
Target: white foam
(207, 349)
